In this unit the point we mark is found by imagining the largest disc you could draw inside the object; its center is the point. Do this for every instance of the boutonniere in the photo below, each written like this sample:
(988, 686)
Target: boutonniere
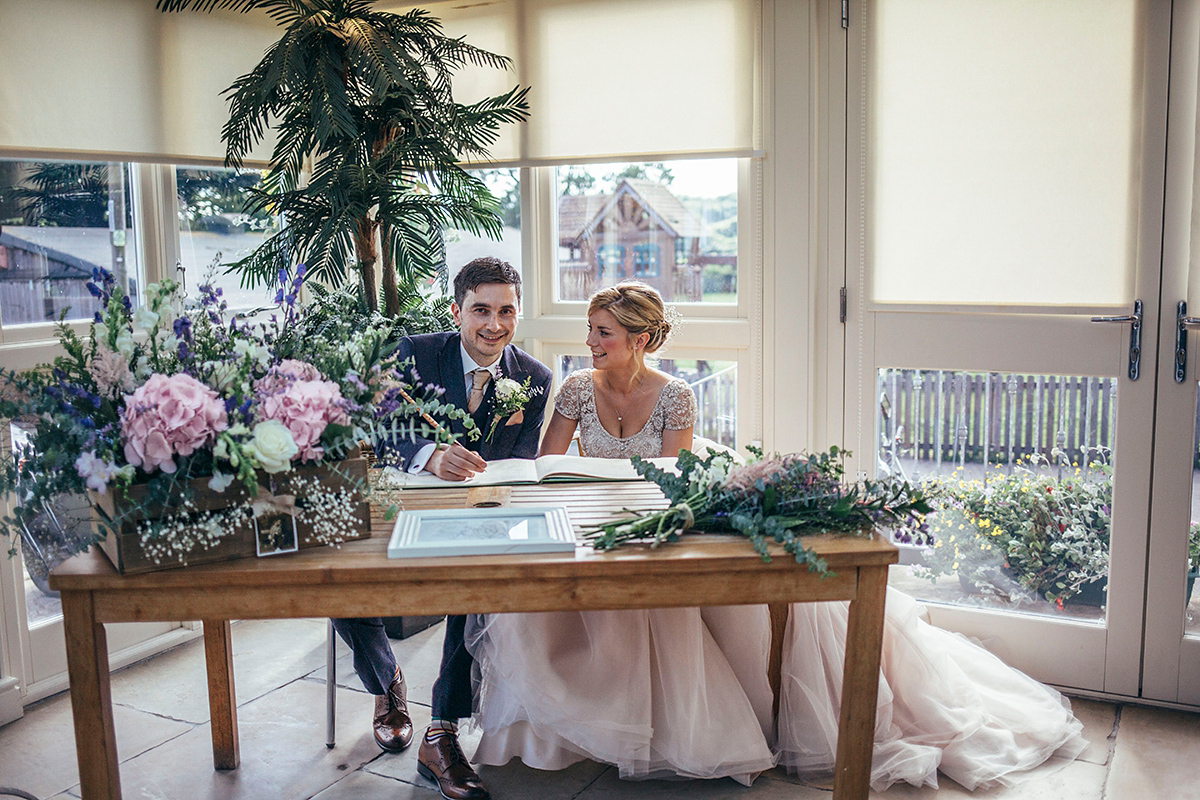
(511, 399)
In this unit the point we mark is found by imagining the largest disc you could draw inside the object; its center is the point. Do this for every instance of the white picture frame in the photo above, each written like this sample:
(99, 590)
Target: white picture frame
(481, 531)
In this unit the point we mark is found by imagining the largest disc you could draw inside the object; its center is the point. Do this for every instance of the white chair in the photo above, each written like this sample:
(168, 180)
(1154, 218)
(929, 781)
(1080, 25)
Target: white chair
(702, 447)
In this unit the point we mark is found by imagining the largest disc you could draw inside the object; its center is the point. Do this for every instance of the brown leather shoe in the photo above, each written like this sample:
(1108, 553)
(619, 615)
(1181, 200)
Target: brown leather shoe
(392, 725)
(442, 761)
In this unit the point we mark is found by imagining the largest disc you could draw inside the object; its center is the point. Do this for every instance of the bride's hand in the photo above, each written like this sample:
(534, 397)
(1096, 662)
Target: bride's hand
(455, 463)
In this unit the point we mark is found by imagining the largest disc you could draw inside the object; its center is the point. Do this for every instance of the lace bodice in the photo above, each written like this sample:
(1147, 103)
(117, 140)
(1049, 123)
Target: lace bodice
(675, 410)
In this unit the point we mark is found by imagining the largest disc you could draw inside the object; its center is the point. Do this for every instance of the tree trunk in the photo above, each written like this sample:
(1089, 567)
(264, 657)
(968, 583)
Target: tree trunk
(391, 295)
(364, 247)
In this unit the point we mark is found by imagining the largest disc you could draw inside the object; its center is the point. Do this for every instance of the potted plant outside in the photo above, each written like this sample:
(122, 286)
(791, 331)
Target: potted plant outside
(1023, 535)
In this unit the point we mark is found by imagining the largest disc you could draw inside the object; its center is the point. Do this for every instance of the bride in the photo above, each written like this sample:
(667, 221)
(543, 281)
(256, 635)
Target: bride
(684, 692)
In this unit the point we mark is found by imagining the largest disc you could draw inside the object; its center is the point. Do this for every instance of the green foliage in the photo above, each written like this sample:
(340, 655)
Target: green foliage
(365, 97)
(779, 499)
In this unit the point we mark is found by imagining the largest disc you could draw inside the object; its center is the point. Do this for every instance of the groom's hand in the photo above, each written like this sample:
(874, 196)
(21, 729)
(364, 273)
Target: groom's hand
(455, 463)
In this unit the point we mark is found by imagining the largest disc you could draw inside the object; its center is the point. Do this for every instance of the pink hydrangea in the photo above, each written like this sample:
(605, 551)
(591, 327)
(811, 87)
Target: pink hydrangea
(280, 376)
(305, 407)
(169, 416)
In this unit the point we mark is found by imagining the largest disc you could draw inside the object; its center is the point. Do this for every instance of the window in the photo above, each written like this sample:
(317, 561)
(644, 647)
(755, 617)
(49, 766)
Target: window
(216, 228)
(713, 382)
(463, 247)
(645, 261)
(62, 220)
(616, 220)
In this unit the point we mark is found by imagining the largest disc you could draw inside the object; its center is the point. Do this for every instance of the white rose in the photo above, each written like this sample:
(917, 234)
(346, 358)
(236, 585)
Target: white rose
(506, 388)
(273, 446)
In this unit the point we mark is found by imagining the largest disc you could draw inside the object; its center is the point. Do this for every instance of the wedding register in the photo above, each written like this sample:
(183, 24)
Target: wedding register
(547, 469)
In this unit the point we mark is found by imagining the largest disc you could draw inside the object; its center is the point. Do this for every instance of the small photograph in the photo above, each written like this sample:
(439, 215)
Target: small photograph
(275, 534)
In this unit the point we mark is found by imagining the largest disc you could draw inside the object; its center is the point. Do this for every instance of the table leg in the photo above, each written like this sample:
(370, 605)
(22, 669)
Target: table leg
(779, 618)
(222, 700)
(860, 686)
(91, 698)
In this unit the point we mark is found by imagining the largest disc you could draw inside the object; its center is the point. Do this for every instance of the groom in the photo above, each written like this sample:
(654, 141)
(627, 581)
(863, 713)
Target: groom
(487, 303)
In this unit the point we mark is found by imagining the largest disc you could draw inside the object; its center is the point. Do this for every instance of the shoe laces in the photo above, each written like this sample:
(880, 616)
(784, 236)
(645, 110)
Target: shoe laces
(456, 751)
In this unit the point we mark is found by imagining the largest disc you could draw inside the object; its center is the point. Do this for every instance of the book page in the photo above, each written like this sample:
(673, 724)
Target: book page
(512, 471)
(499, 472)
(581, 468)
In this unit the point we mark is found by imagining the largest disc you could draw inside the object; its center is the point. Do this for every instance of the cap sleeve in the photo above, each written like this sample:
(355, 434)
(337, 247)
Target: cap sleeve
(569, 400)
(680, 405)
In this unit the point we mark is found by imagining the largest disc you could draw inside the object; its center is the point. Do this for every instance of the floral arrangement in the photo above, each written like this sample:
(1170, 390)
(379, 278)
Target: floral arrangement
(510, 399)
(780, 499)
(153, 398)
(1022, 534)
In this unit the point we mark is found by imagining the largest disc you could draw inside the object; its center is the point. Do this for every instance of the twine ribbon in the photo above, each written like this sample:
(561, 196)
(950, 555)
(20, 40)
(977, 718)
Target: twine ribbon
(684, 510)
(265, 503)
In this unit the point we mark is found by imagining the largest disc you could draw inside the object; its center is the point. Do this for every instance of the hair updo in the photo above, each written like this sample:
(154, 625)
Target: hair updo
(638, 308)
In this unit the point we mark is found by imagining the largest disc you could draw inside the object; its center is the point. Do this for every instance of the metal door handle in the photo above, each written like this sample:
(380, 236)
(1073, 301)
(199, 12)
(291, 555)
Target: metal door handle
(1135, 337)
(1182, 323)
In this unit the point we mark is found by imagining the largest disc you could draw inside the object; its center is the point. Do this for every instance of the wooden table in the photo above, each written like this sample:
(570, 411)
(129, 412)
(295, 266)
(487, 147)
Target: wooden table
(358, 580)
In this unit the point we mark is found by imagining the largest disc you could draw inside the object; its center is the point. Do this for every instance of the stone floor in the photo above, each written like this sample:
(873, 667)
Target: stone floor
(162, 727)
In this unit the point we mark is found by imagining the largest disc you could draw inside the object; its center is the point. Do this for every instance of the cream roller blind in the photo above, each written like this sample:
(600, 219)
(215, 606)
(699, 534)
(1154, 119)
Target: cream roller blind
(118, 78)
(609, 78)
(614, 79)
(1004, 141)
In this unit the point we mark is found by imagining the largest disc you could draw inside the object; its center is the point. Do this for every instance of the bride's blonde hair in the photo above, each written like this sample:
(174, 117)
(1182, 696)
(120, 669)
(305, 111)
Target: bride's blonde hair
(639, 308)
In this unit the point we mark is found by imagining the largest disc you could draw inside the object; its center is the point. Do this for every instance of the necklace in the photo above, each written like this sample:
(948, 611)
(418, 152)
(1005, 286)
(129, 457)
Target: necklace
(611, 396)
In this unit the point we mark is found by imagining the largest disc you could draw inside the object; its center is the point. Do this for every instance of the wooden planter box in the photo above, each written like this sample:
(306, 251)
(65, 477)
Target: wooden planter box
(127, 554)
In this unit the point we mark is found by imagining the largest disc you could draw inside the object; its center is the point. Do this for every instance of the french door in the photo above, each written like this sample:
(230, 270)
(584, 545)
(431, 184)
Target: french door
(1023, 224)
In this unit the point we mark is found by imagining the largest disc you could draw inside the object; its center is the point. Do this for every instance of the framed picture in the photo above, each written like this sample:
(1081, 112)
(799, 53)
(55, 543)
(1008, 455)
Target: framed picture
(275, 534)
(481, 531)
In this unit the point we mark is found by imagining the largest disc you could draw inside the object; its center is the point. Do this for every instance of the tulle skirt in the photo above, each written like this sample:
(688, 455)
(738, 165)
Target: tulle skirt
(945, 703)
(660, 694)
(684, 693)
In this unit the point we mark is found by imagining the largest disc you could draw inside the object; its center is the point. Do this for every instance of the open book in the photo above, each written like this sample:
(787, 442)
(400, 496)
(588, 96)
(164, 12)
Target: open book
(547, 469)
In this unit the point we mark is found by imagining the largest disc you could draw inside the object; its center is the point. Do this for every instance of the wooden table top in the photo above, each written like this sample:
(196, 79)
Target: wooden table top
(366, 561)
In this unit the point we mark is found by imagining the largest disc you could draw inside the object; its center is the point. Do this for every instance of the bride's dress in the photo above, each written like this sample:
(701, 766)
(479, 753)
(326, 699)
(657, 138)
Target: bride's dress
(684, 693)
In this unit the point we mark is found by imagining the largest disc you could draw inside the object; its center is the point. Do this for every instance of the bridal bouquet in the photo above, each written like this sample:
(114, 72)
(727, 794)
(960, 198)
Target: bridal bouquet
(781, 499)
(150, 400)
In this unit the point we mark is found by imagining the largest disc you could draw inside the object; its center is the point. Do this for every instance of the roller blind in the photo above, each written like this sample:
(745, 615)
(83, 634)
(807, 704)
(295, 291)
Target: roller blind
(118, 78)
(609, 78)
(1004, 140)
(617, 79)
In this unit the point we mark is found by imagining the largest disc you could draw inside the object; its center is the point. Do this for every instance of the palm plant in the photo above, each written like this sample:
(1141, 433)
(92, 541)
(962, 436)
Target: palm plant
(364, 97)
(64, 195)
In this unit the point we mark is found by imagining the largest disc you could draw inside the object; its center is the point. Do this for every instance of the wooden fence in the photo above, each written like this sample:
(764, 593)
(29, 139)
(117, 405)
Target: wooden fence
(964, 417)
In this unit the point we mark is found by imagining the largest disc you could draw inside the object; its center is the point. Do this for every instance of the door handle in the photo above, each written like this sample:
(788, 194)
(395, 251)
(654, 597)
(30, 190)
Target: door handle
(1135, 337)
(1182, 323)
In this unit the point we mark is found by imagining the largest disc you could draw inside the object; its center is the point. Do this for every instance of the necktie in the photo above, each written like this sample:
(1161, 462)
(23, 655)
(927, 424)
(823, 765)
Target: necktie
(479, 378)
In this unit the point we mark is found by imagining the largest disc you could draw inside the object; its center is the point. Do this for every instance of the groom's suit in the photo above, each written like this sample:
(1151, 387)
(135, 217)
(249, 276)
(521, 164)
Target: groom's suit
(437, 361)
